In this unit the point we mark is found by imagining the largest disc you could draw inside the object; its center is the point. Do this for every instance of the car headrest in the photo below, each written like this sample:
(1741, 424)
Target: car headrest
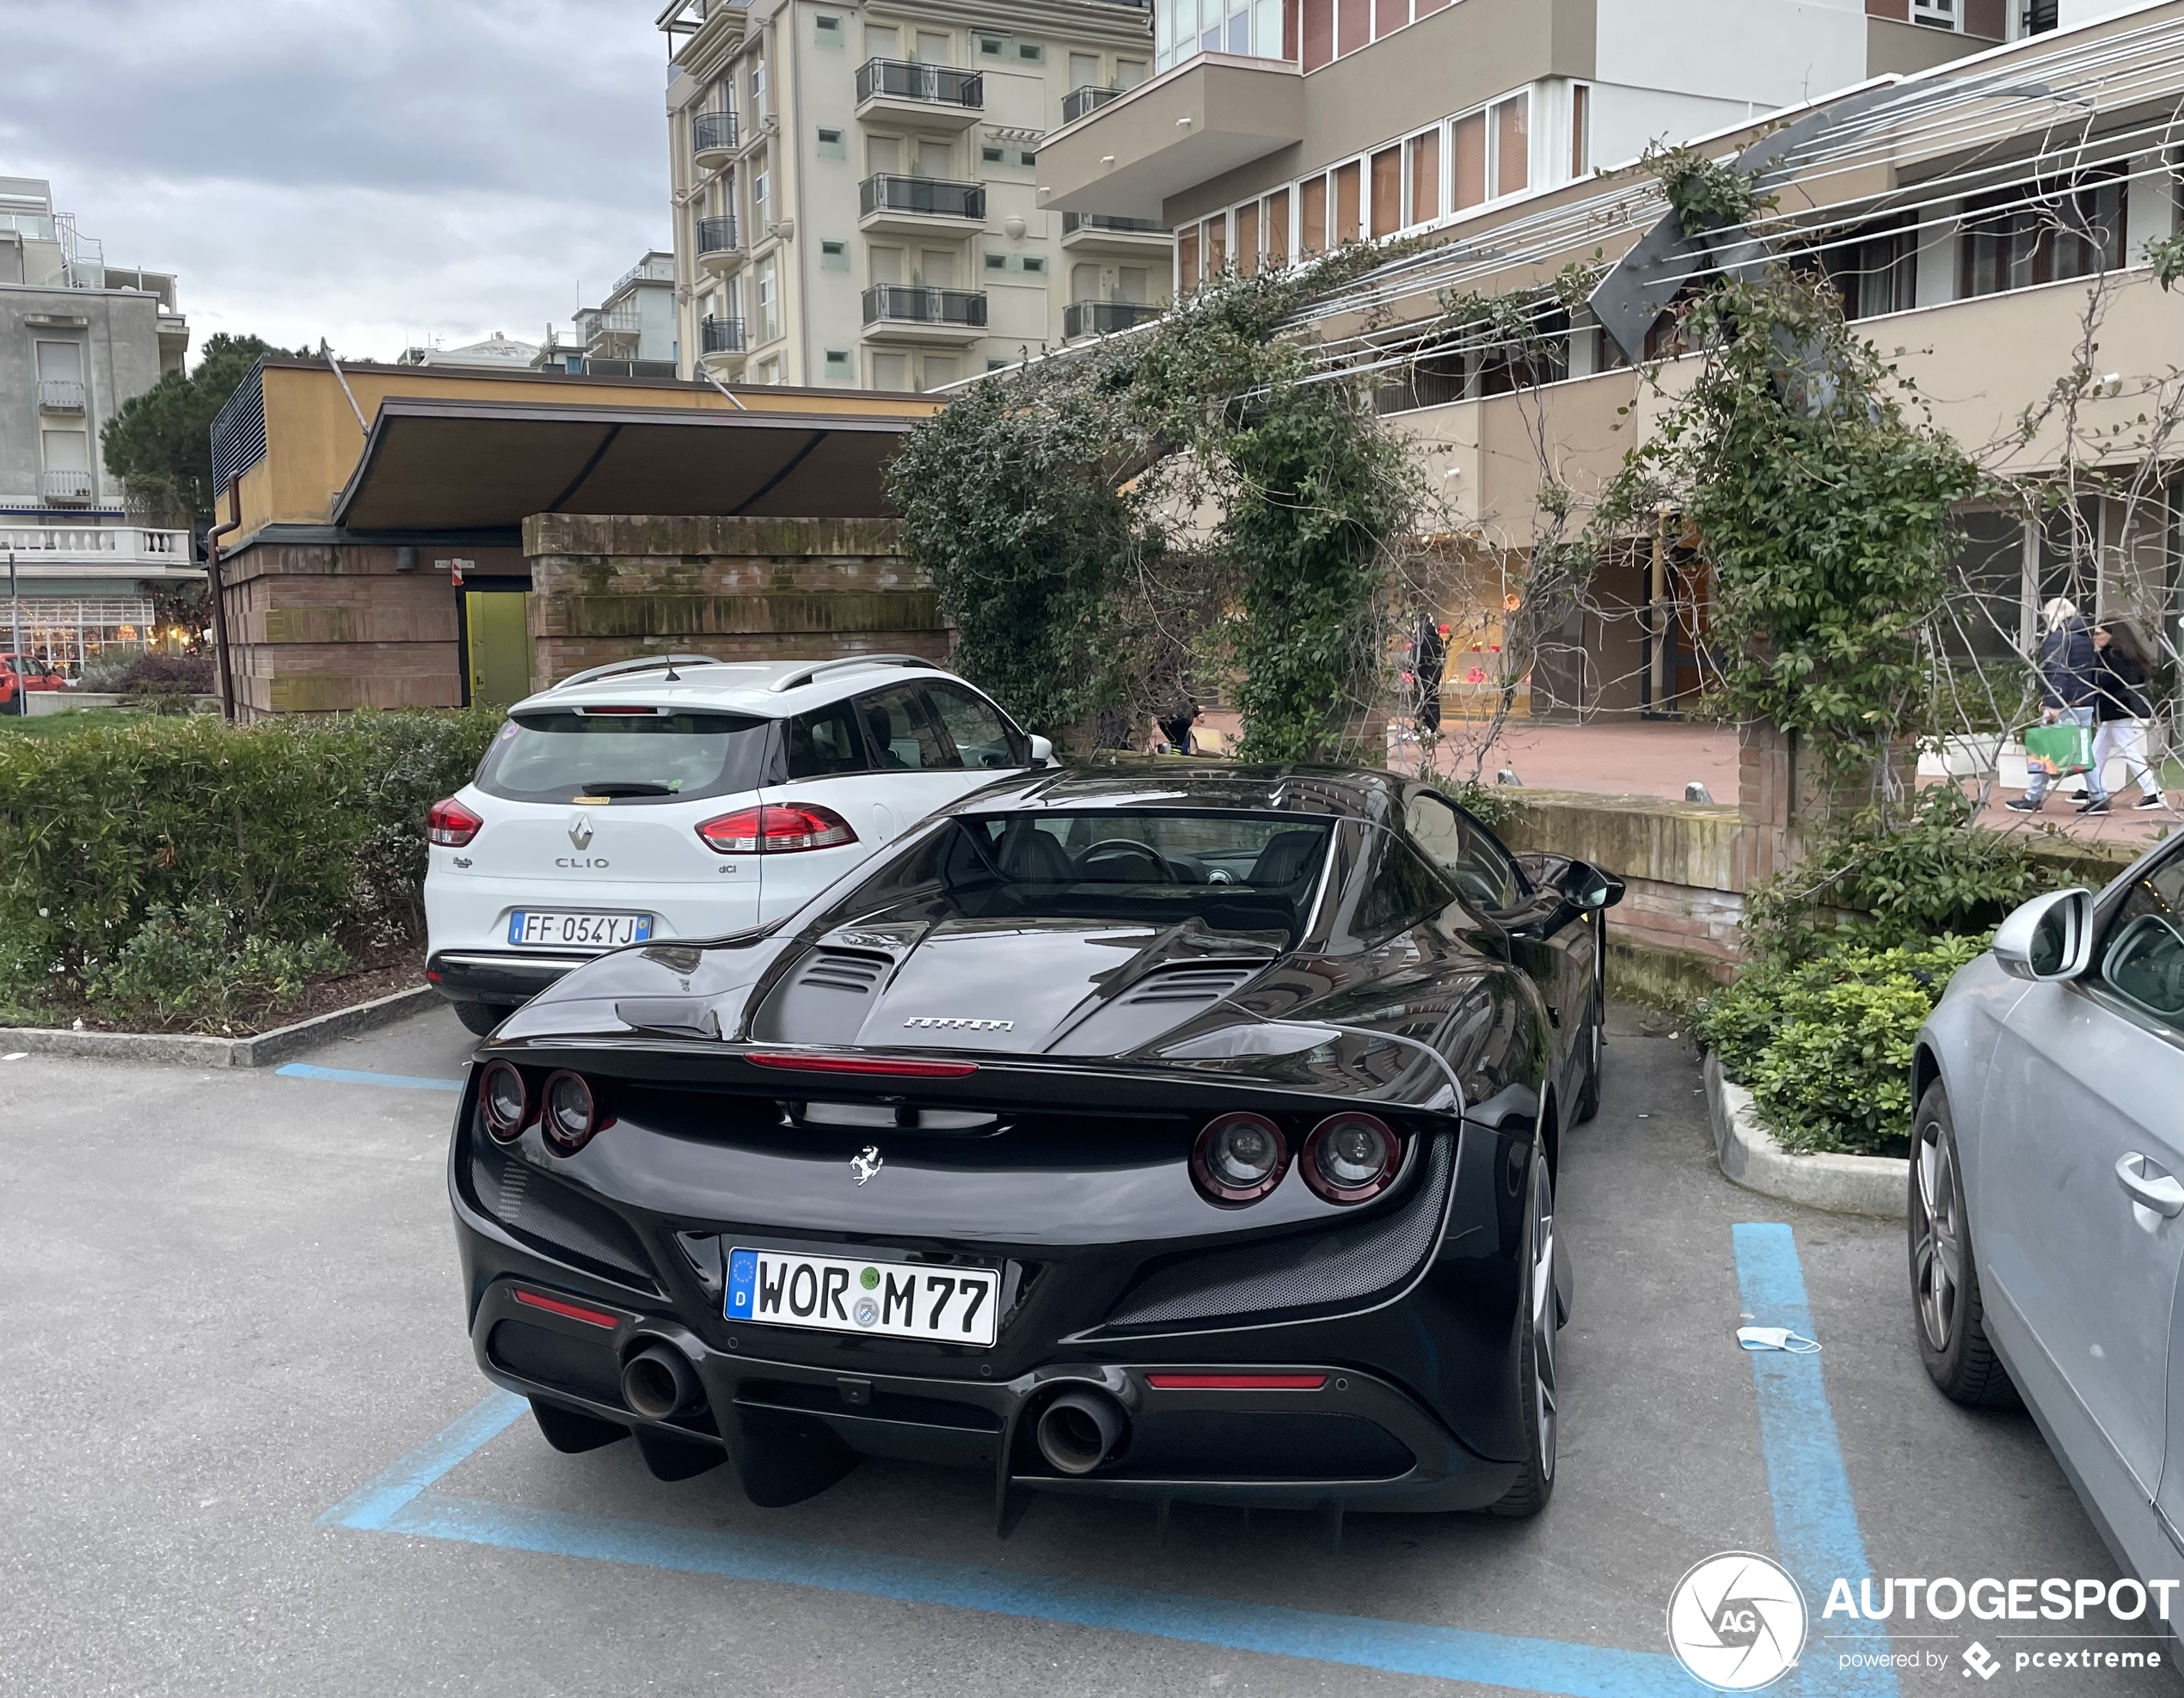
(1288, 858)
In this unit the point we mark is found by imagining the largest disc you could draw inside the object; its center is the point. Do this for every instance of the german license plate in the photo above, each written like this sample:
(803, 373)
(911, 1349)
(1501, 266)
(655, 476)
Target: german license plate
(846, 1293)
(552, 929)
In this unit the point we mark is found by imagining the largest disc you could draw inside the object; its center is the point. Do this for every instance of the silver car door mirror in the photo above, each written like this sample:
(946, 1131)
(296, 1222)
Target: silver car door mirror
(2049, 938)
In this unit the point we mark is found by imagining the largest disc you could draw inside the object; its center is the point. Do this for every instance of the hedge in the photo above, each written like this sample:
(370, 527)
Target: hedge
(1825, 1046)
(298, 830)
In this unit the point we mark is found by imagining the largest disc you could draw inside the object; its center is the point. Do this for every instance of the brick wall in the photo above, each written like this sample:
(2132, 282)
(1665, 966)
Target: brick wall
(607, 588)
(324, 627)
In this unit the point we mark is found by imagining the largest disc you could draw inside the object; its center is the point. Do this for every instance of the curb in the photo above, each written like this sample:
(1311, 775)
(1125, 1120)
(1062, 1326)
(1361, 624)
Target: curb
(187, 1050)
(1748, 1156)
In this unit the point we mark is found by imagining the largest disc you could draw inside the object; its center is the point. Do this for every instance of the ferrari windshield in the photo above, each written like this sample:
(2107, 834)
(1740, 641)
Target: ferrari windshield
(1233, 872)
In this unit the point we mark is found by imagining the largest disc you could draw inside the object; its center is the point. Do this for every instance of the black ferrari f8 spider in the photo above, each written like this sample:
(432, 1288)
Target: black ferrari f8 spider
(1154, 1133)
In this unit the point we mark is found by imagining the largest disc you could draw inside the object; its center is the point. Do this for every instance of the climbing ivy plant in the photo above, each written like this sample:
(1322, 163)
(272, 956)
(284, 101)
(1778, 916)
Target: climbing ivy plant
(1821, 496)
(1191, 498)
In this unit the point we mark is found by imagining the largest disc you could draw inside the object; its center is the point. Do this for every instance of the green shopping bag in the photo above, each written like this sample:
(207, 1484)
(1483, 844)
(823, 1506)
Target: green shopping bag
(2058, 750)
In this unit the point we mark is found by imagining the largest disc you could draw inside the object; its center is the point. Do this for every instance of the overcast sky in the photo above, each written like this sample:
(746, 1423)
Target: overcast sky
(374, 172)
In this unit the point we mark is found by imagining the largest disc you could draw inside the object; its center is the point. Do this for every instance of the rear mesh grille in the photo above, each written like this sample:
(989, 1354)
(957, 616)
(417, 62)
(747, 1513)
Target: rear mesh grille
(1191, 984)
(1298, 1272)
(838, 970)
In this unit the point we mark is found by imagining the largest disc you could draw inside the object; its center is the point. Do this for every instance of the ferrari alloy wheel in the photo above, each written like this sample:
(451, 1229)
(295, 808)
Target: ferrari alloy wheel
(1944, 1277)
(1537, 1390)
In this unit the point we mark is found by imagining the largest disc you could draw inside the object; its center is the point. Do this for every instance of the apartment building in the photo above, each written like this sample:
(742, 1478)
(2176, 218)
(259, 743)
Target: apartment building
(632, 333)
(1977, 216)
(856, 187)
(78, 338)
(1282, 127)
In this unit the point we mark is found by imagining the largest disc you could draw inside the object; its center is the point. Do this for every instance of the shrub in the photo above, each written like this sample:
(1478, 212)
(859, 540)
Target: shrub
(196, 963)
(297, 829)
(1825, 1045)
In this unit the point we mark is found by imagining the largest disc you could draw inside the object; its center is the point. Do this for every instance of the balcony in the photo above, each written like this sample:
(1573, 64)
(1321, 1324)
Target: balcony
(1121, 235)
(1201, 120)
(920, 205)
(897, 313)
(1104, 318)
(64, 489)
(719, 245)
(719, 335)
(60, 394)
(611, 331)
(713, 139)
(1079, 101)
(118, 549)
(932, 96)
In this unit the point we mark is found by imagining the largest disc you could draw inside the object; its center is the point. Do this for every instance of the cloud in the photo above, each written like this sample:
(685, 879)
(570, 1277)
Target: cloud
(372, 172)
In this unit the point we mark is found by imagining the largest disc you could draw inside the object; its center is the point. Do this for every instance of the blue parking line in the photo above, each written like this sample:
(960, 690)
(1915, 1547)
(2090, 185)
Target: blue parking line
(400, 1501)
(1816, 1524)
(1816, 1528)
(342, 1075)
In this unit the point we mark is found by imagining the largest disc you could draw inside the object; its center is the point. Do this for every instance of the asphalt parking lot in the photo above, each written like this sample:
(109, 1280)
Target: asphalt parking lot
(247, 1451)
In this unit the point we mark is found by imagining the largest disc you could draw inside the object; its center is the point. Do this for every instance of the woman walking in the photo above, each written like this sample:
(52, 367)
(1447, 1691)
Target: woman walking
(2120, 707)
(2065, 665)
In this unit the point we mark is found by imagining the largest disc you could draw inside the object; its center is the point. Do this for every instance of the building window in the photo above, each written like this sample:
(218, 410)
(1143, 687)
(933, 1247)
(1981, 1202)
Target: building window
(761, 188)
(1935, 13)
(769, 299)
(1312, 216)
(1278, 225)
(1249, 29)
(1422, 177)
(891, 371)
(1580, 129)
(1468, 159)
(2066, 232)
(1387, 190)
(1347, 189)
(1512, 130)
(1876, 271)
(770, 370)
(758, 84)
(840, 368)
(1247, 238)
(826, 30)
(1034, 262)
(938, 369)
(834, 257)
(1214, 248)
(993, 155)
(1186, 259)
(832, 144)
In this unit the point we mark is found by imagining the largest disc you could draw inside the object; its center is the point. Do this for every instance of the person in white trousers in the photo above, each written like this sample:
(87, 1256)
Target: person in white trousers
(2121, 710)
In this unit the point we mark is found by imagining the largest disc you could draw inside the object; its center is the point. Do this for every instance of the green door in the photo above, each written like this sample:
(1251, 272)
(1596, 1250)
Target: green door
(497, 633)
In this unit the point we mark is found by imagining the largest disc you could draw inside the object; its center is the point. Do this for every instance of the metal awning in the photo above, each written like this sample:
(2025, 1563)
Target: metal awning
(470, 465)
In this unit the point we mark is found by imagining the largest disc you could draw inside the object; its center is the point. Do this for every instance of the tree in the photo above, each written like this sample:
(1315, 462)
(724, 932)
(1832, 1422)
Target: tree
(159, 443)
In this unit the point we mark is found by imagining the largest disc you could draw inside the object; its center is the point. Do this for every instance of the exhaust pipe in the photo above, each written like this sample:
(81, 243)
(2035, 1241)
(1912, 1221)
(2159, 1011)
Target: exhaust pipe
(1080, 1430)
(658, 1381)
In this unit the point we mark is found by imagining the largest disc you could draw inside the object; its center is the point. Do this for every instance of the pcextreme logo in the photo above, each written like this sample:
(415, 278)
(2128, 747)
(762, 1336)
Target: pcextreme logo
(1737, 1622)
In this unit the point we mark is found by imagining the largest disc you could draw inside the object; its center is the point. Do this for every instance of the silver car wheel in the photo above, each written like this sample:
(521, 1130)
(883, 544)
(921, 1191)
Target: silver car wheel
(1543, 1310)
(1938, 1265)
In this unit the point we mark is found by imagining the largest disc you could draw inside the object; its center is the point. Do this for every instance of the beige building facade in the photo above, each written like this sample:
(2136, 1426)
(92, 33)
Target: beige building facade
(855, 195)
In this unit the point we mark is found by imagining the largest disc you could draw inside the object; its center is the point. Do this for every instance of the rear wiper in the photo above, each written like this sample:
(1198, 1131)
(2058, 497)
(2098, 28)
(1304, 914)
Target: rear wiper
(627, 789)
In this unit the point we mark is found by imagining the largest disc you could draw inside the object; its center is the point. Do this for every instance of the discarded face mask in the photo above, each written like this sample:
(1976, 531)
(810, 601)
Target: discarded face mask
(1777, 1337)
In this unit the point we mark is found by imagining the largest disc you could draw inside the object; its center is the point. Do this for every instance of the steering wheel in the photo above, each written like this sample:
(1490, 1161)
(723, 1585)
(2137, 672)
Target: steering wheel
(1128, 846)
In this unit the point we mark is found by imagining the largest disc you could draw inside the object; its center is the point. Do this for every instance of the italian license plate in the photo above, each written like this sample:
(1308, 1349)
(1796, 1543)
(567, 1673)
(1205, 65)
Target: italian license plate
(846, 1293)
(558, 930)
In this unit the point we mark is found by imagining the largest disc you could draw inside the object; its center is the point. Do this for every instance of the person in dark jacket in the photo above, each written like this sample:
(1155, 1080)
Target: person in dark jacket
(2066, 662)
(2120, 709)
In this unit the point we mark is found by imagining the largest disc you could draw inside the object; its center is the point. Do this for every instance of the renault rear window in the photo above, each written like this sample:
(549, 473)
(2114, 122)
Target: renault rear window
(634, 755)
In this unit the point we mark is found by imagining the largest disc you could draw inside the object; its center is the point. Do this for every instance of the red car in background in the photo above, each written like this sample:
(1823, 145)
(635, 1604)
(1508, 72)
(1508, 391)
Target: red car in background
(20, 673)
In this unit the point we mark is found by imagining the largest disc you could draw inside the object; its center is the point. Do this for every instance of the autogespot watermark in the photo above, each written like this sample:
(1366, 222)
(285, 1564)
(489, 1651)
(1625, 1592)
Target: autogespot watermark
(1738, 1622)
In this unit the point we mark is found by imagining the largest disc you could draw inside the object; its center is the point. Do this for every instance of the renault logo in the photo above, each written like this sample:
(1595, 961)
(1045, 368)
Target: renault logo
(579, 832)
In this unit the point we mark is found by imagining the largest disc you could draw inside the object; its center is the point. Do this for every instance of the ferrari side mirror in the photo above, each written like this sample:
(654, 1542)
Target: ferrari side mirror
(1591, 889)
(2049, 938)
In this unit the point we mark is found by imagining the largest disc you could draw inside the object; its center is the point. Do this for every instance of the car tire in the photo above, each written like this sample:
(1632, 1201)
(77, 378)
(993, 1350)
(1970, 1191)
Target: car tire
(1536, 1387)
(1946, 1303)
(482, 1017)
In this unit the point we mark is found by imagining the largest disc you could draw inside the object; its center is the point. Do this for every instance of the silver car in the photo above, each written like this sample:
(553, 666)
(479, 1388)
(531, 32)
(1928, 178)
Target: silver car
(2047, 1197)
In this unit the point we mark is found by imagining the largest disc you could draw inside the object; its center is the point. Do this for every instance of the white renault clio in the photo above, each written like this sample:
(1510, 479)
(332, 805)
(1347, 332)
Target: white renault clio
(681, 796)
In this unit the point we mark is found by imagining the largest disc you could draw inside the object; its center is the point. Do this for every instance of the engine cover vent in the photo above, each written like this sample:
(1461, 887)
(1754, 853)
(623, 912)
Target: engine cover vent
(841, 969)
(1192, 983)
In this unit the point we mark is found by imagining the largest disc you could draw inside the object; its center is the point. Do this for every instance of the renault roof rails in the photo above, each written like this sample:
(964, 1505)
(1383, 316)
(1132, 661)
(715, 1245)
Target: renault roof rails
(804, 675)
(650, 662)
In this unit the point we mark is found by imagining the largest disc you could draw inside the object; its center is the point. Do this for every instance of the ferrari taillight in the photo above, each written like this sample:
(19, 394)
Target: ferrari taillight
(504, 1101)
(450, 825)
(779, 828)
(1238, 1159)
(1352, 1158)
